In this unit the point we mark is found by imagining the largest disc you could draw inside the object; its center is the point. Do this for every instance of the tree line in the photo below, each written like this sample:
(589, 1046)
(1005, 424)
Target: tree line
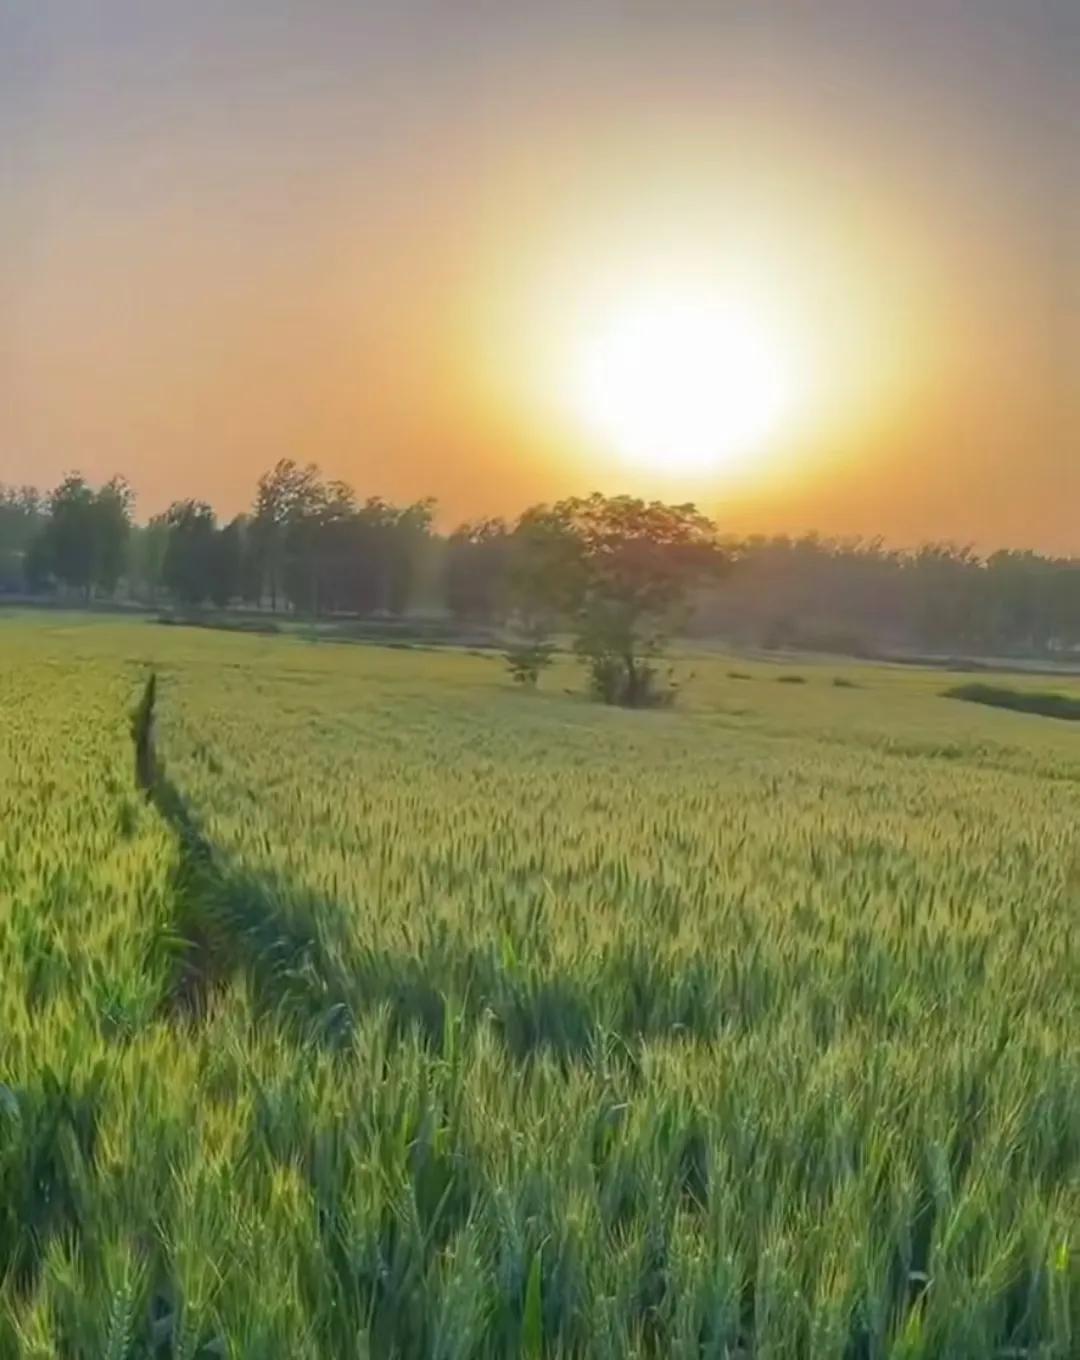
(310, 546)
(307, 545)
(859, 596)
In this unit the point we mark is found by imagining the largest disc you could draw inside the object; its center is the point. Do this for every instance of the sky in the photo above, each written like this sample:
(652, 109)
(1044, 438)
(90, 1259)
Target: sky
(397, 238)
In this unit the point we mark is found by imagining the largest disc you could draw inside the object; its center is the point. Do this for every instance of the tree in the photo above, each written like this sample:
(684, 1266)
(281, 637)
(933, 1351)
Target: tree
(409, 530)
(189, 554)
(22, 516)
(147, 556)
(475, 566)
(112, 528)
(249, 586)
(313, 543)
(944, 582)
(284, 496)
(226, 561)
(305, 508)
(369, 567)
(622, 570)
(84, 541)
(70, 535)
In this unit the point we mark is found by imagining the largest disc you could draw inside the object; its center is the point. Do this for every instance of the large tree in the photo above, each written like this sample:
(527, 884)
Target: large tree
(112, 528)
(622, 571)
(405, 544)
(147, 554)
(188, 568)
(317, 546)
(70, 533)
(22, 515)
(475, 562)
(285, 498)
(226, 562)
(85, 538)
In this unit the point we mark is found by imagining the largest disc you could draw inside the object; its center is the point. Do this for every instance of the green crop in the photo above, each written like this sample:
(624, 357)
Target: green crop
(408, 1014)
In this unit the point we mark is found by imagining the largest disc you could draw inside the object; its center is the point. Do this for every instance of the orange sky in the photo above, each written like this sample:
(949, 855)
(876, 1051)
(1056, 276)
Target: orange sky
(370, 236)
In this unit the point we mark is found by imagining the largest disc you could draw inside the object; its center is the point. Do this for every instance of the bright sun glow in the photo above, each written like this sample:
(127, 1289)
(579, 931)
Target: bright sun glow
(683, 384)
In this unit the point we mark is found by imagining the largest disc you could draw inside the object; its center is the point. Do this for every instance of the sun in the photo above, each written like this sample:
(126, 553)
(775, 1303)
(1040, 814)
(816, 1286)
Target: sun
(683, 383)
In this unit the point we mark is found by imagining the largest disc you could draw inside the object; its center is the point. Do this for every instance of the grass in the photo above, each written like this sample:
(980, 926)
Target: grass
(1046, 704)
(411, 1017)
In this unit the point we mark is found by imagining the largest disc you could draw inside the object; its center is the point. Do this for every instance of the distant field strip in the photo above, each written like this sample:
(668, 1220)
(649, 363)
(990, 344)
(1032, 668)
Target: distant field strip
(413, 1016)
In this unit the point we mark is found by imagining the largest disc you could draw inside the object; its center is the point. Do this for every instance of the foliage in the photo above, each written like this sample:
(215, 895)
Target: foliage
(148, 546)
(530, 651)
(735, 1035)
(111, 523)
(315, 544)
(187, 569)
(856, 596)
(227, 562)
(476, 570)
(315, 547)
(623, 569)
(82, 539)
(22, 513)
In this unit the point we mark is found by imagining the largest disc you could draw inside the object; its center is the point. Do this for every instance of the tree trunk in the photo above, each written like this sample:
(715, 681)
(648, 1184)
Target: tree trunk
(631, 680)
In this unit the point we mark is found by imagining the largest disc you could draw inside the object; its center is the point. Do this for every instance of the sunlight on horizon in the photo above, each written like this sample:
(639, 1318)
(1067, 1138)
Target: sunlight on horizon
(684, 382)
(733, 340)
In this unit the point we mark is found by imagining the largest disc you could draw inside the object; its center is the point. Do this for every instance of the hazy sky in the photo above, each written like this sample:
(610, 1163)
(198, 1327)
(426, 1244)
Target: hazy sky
(371, 234)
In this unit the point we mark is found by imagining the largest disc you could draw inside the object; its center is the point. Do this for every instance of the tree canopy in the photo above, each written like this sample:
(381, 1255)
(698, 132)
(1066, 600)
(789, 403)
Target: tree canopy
(620, 571)
(607, 569)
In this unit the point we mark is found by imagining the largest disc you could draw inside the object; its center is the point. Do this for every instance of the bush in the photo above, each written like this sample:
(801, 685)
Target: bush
(613, 680)
(529, 653)
(790, 680)
(527, 661)
(842, 682)
(1045, 703)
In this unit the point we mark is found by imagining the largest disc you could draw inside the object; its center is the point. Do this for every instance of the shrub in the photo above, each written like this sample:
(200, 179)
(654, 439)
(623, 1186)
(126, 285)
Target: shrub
(529, 653)
(1043, 702)
(613, 680)
(527, 661)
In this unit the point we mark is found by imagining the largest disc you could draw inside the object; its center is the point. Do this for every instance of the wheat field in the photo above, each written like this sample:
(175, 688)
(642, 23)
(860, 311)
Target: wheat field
(410, 1015)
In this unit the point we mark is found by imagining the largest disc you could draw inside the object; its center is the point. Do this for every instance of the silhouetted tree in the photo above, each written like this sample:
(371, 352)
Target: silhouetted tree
(623, 570)
(598, 565)
(475, 570)
(22, 516)
(188, 566)
(283, 497)
(249, 584)
(408, 530)
(226, 561)
(83, 543)
(112, 528)
(70, 533)
(313, 544)
(147, 557)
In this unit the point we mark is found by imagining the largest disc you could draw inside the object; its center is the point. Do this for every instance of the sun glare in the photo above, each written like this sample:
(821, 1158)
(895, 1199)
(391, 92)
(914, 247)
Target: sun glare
(685, 385)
